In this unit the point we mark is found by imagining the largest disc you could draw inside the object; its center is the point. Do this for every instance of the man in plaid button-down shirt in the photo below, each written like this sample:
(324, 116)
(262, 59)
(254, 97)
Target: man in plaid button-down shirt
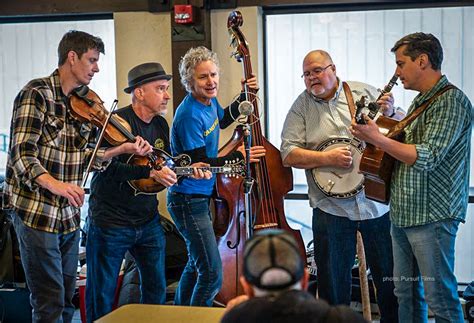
(430, 184)
(46, 161)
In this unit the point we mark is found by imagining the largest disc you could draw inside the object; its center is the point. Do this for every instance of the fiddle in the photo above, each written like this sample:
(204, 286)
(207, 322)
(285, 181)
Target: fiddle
(87, 106)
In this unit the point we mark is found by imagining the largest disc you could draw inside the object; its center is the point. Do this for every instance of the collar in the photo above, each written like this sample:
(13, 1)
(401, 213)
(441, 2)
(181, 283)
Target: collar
(56, 85)
(421, 98)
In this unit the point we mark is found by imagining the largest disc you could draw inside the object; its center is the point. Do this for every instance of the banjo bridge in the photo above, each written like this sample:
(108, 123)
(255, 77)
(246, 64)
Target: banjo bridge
(329, 186)
(338, 182)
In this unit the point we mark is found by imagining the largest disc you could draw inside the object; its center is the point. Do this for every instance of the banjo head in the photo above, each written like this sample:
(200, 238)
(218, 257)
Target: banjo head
(340, 182)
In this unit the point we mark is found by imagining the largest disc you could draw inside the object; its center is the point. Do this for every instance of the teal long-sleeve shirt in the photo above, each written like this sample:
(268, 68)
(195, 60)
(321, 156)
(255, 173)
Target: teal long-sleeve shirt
(436, 186)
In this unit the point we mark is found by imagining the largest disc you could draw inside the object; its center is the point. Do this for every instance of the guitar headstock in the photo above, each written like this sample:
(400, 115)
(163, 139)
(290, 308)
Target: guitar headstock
(360, 105)
(237, 39)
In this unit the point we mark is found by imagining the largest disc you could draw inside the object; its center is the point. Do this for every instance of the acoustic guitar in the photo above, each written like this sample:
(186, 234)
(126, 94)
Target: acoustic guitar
(377, 165)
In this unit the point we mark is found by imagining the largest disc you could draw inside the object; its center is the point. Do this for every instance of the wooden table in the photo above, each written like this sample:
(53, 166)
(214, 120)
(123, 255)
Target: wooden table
(163, 313)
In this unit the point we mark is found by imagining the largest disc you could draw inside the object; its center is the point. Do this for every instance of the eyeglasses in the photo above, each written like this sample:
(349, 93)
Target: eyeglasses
(316, 71)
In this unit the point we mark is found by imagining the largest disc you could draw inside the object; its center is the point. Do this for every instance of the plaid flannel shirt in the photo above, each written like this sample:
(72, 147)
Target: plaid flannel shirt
(45, 138)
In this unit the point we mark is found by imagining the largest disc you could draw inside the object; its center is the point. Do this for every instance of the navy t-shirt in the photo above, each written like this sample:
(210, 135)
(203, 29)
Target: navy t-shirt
(112, 202)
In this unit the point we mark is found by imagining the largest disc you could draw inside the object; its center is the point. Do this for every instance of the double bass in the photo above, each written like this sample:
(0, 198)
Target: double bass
(272, 182)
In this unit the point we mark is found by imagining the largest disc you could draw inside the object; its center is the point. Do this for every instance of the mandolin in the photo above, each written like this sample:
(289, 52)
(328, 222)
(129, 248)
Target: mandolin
(180, 165)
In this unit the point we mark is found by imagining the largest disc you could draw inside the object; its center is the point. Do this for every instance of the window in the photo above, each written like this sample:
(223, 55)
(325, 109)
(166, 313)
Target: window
(359, 43)
(29, 50)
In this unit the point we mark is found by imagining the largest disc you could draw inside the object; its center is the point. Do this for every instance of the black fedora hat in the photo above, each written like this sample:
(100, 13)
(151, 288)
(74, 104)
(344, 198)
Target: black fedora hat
(145, 73)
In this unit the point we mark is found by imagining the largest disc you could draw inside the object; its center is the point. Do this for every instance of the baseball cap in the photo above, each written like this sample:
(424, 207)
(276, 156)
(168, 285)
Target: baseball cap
(272, 260)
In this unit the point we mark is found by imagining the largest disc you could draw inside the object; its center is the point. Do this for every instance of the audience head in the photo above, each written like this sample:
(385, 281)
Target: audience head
(272, 264)
(274, 275)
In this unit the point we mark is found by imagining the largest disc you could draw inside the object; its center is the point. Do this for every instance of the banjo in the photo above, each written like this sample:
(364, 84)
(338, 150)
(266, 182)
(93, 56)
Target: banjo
(347, 182)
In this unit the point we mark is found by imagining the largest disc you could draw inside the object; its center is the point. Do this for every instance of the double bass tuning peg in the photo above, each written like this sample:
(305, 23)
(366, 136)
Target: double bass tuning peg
(237, 56)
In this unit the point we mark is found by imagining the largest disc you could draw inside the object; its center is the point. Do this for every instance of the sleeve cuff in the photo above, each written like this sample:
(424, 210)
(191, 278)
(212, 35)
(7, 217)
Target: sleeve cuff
(422, 158)
(99, 163)
(30, 176)
(287, 150)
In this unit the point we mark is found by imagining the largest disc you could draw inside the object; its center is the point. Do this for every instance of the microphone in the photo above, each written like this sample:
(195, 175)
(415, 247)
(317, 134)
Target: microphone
(246, 108)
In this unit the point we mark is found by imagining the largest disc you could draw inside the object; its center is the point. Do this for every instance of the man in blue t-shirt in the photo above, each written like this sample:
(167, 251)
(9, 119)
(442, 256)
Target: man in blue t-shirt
(195, 132)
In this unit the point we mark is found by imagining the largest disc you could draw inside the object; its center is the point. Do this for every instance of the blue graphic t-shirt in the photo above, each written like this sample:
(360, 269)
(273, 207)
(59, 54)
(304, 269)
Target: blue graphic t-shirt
(196, 125)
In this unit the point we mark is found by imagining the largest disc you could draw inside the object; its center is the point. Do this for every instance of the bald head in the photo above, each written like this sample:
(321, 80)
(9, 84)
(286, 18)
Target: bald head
(318, 55)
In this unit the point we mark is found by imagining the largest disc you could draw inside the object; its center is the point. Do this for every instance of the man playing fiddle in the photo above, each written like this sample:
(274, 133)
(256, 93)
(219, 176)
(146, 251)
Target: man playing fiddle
(45, 165)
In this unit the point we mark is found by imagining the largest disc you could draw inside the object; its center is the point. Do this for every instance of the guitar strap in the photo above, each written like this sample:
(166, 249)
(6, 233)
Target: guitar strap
(349, 98)
(398, 128)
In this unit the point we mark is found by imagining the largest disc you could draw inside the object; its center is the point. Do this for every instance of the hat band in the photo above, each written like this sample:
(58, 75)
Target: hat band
(144, 77)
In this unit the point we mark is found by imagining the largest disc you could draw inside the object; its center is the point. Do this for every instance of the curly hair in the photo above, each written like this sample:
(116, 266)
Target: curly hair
(79, 42)
(421, 43)
(190, 60)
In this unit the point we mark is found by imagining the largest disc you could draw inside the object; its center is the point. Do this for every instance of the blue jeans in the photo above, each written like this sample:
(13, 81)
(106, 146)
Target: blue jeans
(105, 250)
(202, 277)
(50, 264)
(424, 260)
(335, 241)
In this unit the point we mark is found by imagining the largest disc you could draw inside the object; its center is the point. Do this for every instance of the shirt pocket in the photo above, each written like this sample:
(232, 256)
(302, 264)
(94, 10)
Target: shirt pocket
(53, 126)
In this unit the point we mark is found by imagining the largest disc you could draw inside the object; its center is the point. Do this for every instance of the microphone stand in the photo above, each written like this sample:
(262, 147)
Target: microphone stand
(248, 181)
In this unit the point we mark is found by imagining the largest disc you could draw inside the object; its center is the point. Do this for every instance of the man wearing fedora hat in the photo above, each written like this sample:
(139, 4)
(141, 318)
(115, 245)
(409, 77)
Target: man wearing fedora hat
(122, 221)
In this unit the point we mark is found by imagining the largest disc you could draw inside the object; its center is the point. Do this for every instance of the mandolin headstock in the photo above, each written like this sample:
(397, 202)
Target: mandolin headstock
(237, 39)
